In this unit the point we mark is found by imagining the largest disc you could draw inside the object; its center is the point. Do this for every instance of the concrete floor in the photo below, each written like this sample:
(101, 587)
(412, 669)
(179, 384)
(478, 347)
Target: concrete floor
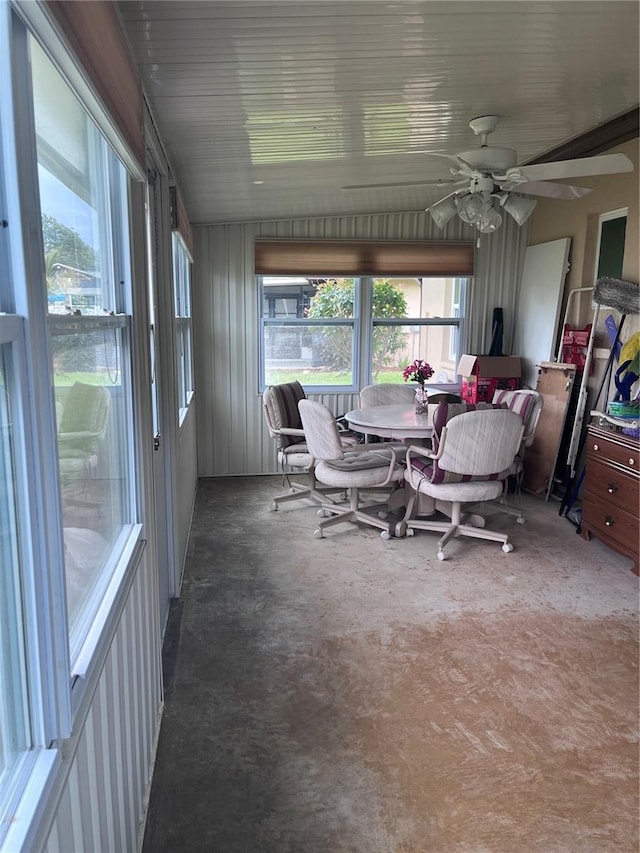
(351, 694)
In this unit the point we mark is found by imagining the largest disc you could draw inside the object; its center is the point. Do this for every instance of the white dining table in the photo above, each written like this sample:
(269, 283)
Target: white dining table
(398, 421)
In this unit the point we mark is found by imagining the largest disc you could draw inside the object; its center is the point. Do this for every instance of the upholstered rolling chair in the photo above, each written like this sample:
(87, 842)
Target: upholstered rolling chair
(82, 425)
(528, 404)
(280, 407)
(473, 457)
(362, 467)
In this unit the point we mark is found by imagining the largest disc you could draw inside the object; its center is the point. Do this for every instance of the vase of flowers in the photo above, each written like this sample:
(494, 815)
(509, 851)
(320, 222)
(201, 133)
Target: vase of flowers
(419, 371)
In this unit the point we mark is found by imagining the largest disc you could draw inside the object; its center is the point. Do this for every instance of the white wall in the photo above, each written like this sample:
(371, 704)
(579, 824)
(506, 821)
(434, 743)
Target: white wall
(231, 435)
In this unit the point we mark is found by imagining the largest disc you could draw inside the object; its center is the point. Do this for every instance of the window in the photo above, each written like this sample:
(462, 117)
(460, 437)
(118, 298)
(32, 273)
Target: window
(344, 333)
(182, 304)
(84, 207)
(15, 734)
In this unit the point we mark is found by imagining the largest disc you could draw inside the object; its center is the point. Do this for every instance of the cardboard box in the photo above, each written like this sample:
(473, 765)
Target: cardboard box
(482, 375)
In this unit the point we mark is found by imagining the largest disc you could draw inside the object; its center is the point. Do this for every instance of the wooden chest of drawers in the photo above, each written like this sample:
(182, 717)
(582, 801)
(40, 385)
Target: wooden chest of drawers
(611, 500)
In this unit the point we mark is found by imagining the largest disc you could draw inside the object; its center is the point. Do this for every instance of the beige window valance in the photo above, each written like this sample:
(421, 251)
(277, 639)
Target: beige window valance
(363, 257)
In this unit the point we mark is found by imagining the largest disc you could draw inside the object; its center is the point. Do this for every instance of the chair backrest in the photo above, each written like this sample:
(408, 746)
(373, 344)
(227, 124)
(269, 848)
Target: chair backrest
(481, 443)
(280, 407)
(526, 403)
(320, 430)
(85, 411)
(445, 411)
(472, 461)
(387, 394)
(444, 397)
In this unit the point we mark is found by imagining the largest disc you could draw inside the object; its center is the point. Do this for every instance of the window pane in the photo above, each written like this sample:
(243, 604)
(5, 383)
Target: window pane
(14, 732)
(94, 455)
(314, 355)
(72, 175)
(83, 199)
(396, 346)
(182, 310)
(425, 301)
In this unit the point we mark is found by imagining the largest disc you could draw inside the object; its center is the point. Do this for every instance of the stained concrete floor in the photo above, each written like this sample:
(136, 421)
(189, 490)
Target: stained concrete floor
(351, 694)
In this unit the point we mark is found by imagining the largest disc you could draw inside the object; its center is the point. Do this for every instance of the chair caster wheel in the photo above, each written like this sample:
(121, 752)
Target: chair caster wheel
(343, 497)
(441, 555)
(323, 513)
(273, 506)
(520, 519)
(507, 547)
(401, 530)
(385, 535)
(383, 515)
(317, 534)
(410, 531)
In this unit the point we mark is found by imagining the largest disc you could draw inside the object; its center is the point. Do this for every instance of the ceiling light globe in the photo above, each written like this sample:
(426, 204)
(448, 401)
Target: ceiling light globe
(470, 208)
(491, 221)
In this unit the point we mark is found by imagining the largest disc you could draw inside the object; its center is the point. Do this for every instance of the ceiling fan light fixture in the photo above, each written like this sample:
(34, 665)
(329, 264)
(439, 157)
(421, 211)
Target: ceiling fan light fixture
(443, 211)
(519, 207)
(470, 208)
(490, 221)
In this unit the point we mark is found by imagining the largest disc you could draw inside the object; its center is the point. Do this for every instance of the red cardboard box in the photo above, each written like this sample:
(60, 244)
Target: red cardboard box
(482, 375)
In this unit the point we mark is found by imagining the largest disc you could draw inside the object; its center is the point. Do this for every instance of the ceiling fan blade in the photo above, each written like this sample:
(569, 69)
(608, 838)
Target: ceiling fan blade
(441, 183)
(551, 190)
(602, 164)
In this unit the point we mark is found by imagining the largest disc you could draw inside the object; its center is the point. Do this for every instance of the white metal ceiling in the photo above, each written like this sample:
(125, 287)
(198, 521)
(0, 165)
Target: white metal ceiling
(268, 108)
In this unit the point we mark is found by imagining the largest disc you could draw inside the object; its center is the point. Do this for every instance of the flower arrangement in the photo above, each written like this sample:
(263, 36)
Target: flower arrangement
(418, 372)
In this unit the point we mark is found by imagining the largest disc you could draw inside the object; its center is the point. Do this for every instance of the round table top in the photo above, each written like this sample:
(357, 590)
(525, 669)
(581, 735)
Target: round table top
(399, 422)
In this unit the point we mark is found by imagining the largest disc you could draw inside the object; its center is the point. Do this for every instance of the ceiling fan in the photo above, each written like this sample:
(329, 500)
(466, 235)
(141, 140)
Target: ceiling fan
(487, 179)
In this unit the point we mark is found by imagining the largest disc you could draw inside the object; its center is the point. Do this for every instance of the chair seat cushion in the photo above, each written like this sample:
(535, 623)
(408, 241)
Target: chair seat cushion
(359, 470)
(474, 490)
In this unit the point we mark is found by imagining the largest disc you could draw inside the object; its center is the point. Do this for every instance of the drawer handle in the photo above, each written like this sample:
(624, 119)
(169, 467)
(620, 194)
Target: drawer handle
(632, 461)
(608, 521)
(596, 447)
(612, 488)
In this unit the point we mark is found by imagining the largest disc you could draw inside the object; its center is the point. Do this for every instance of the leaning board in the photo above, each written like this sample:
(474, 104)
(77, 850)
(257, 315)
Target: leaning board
(555, 383)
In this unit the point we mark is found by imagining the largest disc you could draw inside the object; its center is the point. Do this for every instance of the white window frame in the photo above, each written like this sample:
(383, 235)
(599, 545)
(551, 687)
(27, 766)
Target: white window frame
(59, 695)
(363, 326)
(182, 264)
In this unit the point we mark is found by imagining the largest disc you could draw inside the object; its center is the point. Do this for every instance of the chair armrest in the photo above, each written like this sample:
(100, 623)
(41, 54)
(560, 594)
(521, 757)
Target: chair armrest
(289, 431)
(417, 450)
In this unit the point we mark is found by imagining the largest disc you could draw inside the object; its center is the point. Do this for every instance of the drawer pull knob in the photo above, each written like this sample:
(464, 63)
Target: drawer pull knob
(596, 447)
(632, 461)
(608, 521)
(612, 488)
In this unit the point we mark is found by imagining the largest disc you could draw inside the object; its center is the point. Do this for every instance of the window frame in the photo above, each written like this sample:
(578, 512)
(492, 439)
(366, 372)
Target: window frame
(364, 325)
(183, 324)
(59, 694)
